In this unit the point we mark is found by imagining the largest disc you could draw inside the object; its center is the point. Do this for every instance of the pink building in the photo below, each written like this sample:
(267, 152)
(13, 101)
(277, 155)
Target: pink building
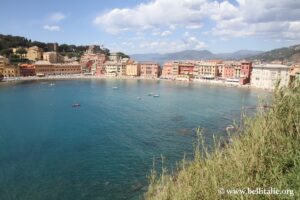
(245, 74)
(168, 70)
(92, 62)
(229, 71)
(240, 71)
(150, 70)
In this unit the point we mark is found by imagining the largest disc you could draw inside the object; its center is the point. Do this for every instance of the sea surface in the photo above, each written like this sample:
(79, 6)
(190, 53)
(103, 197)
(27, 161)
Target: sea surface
(105, 148)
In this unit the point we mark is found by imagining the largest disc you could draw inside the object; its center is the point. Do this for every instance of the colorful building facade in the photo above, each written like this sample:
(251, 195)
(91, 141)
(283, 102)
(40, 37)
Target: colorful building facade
(27, 70)
(150, 70)
(133, 69)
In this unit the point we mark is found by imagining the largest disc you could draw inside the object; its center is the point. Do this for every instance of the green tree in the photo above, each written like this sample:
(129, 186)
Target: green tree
(6, 52)
(122, 55)
(21, 51)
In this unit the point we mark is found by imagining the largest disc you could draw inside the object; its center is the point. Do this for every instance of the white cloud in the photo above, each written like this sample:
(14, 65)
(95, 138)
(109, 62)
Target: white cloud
(269, 19)
(194, 26)
(163, 45)
(51, 28)
(165, 33)
(275, 19)
(56, 17)
(157, 13)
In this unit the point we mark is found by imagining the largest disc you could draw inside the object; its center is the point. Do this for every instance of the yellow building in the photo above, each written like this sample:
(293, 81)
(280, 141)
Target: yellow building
(67, 68)
(133, 69)
(34, 53)
(45, 68)
(3, 63)
(11, 71)
(53, 57)
(209, 69)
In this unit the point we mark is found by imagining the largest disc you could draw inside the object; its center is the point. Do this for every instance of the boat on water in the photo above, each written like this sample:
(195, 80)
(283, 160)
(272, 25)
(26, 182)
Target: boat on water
(51, 84)
(75, 105)
(115, 88)
(156, 95)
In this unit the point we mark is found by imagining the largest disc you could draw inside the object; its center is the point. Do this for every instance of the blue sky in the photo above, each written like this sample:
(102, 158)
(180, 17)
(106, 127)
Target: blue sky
(156, 26)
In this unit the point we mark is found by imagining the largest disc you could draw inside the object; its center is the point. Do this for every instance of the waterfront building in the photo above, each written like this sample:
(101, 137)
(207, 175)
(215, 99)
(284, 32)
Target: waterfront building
(27, 70)
(150, 70)
(245, 72)
(8, 70)
(34, 53)
(133, 69)
(115, 68)
(67, 68)
(3, 63)
(186, 68)
(239, 72)
(266, 75)
(45, 68)
(207, 69)
(231, 71)
(53, 57)
(170, 70)
(11, 71)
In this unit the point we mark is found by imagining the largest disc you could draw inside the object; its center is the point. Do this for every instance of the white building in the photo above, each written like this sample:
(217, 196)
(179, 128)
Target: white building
(115, 69)
(266, 75)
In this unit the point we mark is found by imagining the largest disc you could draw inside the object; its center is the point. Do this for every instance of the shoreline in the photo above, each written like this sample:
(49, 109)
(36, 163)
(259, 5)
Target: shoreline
(85, 77)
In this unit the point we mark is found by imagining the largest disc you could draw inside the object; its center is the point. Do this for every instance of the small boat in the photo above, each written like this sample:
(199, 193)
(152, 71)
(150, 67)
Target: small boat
(75, 105)
(51, 84)
(115, 88)
(156, 95)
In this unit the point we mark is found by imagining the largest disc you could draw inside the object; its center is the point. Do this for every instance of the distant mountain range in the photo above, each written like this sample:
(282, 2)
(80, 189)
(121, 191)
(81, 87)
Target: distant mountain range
(291, 53)
(194, 55)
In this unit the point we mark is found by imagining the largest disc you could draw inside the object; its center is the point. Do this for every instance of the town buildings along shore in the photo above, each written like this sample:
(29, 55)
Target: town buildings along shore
(95, 63)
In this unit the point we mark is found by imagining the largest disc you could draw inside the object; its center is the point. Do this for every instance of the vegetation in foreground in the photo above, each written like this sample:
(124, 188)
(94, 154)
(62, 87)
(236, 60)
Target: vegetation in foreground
(264, 153)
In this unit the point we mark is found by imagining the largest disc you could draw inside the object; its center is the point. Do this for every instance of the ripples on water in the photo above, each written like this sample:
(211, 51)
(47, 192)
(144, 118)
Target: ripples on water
(103, 149)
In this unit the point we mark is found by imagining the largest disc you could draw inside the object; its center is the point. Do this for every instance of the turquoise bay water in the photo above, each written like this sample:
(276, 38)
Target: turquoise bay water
(105, 148)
